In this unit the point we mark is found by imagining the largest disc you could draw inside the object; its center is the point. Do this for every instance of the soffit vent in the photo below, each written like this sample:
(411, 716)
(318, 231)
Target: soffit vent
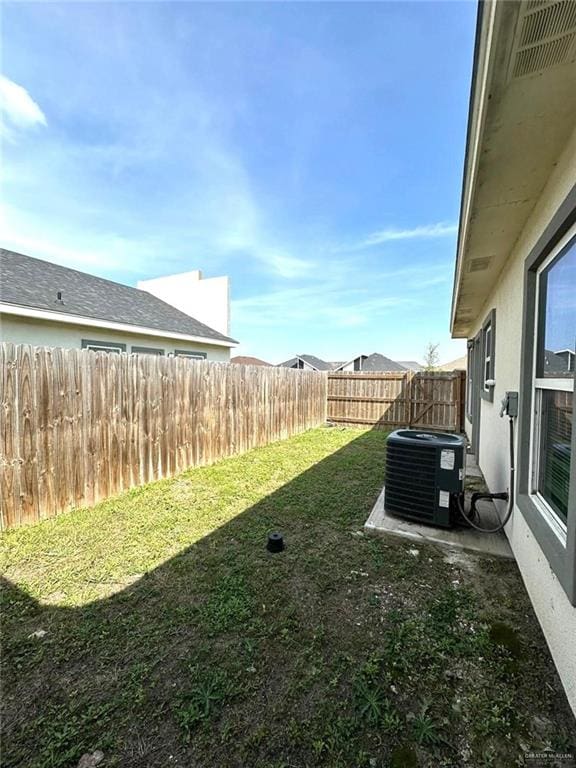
(477, 265)
(545, 37)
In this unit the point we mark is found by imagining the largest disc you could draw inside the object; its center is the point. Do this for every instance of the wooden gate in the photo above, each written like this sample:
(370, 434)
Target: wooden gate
(427, 399)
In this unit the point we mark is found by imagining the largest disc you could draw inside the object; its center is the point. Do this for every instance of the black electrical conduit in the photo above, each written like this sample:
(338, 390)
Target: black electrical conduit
(509, 496)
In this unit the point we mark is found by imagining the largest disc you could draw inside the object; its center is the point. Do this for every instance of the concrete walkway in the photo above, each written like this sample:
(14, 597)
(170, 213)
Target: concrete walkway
(493, 544)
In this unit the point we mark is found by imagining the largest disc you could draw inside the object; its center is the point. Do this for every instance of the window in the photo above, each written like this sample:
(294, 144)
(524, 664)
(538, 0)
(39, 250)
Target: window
(103, 346)
(488, 355)
(188, 353)
(147, 351)
(553, 384)
(470, 380)
(546, 488)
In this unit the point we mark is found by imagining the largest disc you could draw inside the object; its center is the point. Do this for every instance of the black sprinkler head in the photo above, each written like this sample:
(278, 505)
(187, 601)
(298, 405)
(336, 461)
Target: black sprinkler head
(275, 542)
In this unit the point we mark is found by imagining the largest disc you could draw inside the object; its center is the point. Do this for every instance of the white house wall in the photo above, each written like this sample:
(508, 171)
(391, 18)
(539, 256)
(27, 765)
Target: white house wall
(21, 330)
(557, 617)
(206, 299)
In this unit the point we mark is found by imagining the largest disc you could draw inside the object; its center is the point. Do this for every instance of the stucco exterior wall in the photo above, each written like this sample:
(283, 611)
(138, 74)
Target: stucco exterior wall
(21, 330)
(553, 609)
(206, 299)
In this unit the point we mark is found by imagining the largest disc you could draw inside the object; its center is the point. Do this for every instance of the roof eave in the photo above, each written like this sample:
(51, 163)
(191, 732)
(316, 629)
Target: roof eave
(476, 112)
(520, 138)
(94, 322)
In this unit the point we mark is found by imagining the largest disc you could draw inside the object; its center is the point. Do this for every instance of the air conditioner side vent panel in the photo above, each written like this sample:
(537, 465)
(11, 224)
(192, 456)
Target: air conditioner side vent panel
(423, 471)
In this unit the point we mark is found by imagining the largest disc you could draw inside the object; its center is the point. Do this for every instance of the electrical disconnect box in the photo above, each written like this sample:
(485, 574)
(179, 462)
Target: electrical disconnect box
(510, 405)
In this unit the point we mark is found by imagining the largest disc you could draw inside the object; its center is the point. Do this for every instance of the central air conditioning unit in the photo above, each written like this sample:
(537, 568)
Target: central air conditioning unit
(424, 475)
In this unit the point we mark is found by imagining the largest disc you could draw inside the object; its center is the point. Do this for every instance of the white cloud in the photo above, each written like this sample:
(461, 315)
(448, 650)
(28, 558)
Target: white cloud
(424, 232)
(282, 264)
(329, 304)
(18, 106)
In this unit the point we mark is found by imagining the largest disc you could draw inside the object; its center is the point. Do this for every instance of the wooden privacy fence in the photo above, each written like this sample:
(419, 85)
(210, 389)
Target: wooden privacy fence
(431, 400)
(78, 426)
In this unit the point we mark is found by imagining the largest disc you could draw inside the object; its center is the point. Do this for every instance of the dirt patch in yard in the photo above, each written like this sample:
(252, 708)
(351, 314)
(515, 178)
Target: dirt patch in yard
(343, 650)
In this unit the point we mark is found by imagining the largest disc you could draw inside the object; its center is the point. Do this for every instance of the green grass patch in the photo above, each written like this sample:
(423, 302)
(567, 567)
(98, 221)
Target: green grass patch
(157, 628)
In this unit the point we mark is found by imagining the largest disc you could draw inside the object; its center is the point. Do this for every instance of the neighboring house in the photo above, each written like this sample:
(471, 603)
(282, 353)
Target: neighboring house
(207, 299)
(454, 365)
(240, 360)
(376, 362)
(568, 357)
(411, 365)
(515, 292)
(306, 362)
(373, 363)
(557, 362)
(352, 365)
(46, 304)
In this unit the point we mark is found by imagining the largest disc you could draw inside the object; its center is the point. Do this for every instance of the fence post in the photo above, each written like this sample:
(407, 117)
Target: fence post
(408, 391)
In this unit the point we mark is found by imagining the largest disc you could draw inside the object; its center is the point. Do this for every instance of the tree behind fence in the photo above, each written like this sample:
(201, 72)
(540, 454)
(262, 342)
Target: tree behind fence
(79, 426)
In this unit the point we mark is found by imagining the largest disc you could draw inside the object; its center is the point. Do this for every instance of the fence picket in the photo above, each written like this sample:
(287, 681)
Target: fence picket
(79, 426)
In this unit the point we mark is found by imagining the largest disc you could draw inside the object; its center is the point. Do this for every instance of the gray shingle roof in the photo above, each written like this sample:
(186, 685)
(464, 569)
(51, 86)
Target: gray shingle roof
(31, 282)
(555, 363)
(377, 362)
(315, 362)
(288, 363)
(410, 365)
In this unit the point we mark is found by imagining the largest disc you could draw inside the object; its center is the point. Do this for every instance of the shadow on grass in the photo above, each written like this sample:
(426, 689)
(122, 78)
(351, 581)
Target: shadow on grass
(342, 650)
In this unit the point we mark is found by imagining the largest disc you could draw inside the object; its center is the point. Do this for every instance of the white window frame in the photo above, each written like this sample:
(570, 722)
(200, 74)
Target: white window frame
(191, 355)
(103, 346)
(487, 356)
(557, 525)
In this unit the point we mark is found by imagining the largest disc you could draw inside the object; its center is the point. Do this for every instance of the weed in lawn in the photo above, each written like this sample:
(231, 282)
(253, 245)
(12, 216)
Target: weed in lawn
(424, 728)
(335, 740)
(495, 711)
(371, 703)
(203, 699)
(70, 732)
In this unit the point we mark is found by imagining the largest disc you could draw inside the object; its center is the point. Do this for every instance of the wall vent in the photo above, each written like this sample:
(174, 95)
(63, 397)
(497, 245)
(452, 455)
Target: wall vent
(477, 265)
(545, 37)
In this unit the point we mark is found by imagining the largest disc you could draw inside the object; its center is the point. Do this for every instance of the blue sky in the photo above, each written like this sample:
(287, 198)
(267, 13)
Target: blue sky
(311, 151)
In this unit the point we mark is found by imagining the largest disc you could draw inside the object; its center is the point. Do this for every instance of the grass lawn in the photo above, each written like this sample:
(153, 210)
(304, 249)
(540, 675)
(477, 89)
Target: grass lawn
(167, 635)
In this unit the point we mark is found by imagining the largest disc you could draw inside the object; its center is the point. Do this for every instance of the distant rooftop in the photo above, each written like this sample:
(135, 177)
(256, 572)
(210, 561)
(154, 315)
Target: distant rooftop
(312, 360)
(377, 362)
(243, 360)
(411, 365)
